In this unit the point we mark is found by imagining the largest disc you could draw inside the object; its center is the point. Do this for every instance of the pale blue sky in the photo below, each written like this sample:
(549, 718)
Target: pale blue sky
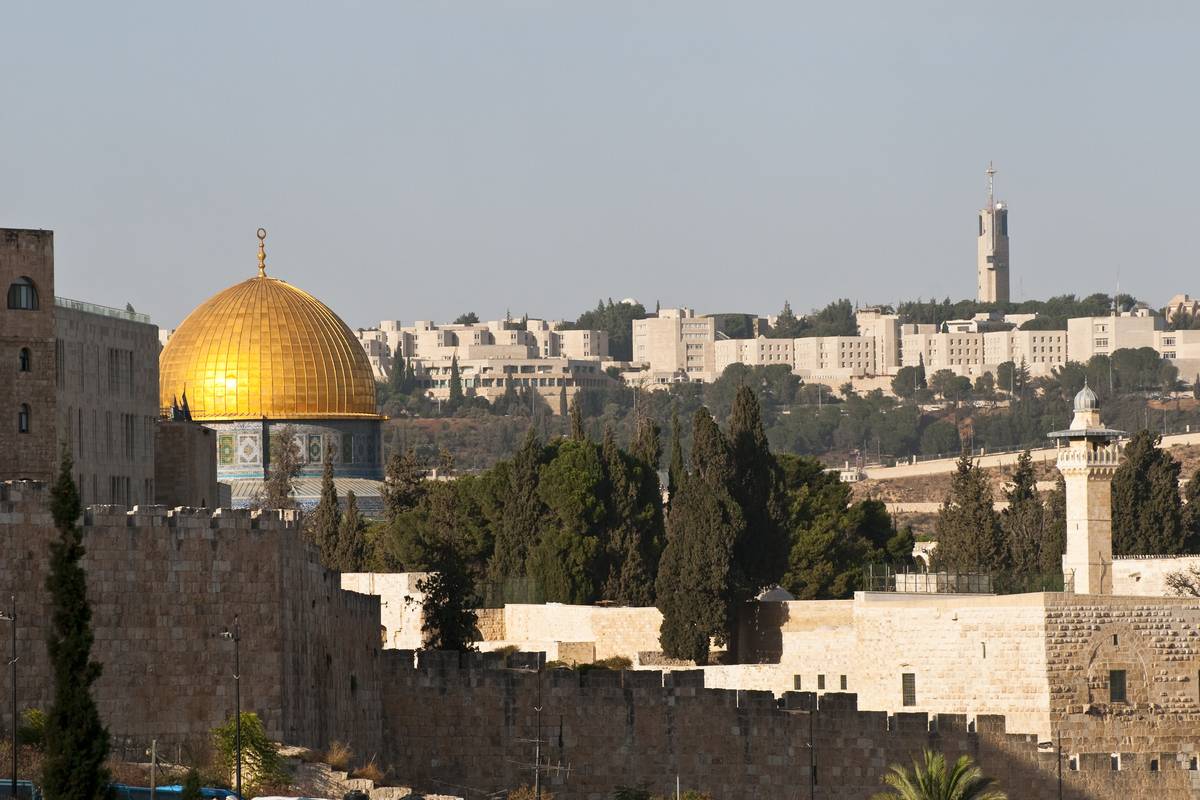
(414, 160)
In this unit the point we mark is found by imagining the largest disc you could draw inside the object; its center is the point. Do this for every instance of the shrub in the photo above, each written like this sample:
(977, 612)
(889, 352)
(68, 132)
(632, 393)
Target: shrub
(526, 793)
(261, 762)
(191, 786)
(32, 730)
(338, 755)
(370, 772)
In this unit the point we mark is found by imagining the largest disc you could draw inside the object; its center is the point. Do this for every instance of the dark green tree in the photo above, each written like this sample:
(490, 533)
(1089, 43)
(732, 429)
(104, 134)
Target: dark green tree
(699, 588)
(350, 550)
(456, 385)
(404, 483)
(326, 519)
(1147, 514)
(522, 516)
(450, 620)
(675, 466)
(76, 741)
(563, 408)
(634, 526)
(1055, 525)
(191, 786)
(469, 318)
(787, 324)
(284, 466)
(647, 446)
(566, 563)
(761, 552)
(968, 533)
(578, 431)
(1023, 524)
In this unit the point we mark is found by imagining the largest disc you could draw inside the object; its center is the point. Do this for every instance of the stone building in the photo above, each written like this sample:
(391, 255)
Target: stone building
(75, 374)
(676, 343)
(262, 356)
(992, 265)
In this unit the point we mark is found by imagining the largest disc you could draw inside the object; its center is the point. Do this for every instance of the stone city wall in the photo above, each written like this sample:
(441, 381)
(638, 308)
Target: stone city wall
(607, 729)
(1146, 576)
(163, 585)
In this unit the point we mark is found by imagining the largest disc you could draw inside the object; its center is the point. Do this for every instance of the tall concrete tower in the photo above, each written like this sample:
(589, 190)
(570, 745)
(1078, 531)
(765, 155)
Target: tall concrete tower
(992, 264)
(1088, 464)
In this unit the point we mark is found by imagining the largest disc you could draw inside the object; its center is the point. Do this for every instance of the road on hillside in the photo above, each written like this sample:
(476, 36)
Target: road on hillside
(943, 465)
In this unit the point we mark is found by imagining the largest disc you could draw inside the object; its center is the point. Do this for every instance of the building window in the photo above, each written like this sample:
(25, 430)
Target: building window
(24, 360)
(1114, 762)
(843, 683)
(1116, 686)
(22, 295)
(1154, 765)
(820, 682)
(796, 683)
(1073, 763)
(908, 685)
(1102, 343)
(23, 418)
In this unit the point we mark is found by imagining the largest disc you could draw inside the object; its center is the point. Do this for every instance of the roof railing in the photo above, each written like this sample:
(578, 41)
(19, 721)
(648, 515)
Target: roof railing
(105, 311)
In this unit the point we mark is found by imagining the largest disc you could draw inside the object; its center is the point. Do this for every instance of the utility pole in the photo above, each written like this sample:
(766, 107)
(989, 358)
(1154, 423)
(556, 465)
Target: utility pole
(236, 637)
(153, 767)
(11, 617)
(812, 753)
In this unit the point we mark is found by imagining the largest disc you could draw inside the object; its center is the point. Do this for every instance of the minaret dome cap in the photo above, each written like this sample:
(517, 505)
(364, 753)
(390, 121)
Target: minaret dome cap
(1086, 400)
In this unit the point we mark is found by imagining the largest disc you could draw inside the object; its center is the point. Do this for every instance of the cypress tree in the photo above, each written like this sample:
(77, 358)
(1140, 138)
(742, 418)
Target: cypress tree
(568, 561)
(675, 467)
(578, 432)
(699, 586)
(1191, 514)
(1147, 513)
(521, 519)
(350, 551)
(762, 552)
(456, 385)
(284, 465)
(630, 536)
(449, 606)
(76, 743)
(968, 532)
(1054, 545)
(647, 446)
(1023, 523)
(324, 523)
(563, 409)
(398, 380)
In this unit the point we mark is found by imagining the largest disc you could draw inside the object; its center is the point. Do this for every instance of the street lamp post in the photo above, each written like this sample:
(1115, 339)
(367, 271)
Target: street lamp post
(236, 637)
(11, 617)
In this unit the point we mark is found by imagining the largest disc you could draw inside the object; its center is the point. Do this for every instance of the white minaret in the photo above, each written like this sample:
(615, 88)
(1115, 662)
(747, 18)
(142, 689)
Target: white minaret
(1088, 463)
(992, 265)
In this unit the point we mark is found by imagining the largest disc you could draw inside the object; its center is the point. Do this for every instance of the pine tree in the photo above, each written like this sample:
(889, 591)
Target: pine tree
(322, 526)
(456, 385)
(563, 408)
(404, 484)
(398, 380)
(675, 467)
(968, 533)
(76, 741)
(699, 587)
(448, 608)
(350, 551)
(762, 553)
(1023, 523)
(1147, 514)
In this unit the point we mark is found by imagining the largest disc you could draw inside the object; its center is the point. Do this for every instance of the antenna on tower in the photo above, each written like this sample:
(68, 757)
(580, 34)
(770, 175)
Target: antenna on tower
(991, 173)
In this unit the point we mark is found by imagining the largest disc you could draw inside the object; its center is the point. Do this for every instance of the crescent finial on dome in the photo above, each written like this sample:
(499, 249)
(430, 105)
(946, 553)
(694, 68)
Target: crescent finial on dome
(262, 253)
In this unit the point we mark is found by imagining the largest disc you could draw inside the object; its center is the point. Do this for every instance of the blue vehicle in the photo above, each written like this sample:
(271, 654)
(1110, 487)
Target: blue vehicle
(121, 791)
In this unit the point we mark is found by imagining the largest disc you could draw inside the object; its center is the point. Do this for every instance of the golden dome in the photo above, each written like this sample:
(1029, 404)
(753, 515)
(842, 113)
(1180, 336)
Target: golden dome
(263, 348)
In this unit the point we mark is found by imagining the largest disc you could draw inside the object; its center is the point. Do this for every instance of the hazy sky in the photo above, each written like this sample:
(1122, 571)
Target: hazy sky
(415, 160)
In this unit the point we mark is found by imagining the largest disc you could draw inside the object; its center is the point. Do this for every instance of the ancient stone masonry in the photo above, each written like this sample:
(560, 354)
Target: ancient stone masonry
(163, 586)
(478, 722)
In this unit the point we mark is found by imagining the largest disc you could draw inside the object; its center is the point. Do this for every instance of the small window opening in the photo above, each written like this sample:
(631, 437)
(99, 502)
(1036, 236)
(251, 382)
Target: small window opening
(1154, 765)
(1116, 640)
(1114, 762)
(908, 686)
(1073, 763)
(24, 360)
(23, 418)
(843, 683)
(1116, 686)
(983, 645)
(820, 682)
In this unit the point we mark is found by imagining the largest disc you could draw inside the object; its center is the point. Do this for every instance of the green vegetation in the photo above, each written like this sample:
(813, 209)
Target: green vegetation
(1147, 513)
(261, 763)
(76, 742)
(31, 731)
(191, 788)
(932, 779)
(615, 319)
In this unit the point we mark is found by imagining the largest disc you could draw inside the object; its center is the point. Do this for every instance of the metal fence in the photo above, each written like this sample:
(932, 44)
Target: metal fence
(885, 578)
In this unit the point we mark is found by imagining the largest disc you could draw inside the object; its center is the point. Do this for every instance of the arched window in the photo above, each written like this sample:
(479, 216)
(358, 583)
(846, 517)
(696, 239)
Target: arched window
(22, 295)
(24, 360)
(23, 418)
